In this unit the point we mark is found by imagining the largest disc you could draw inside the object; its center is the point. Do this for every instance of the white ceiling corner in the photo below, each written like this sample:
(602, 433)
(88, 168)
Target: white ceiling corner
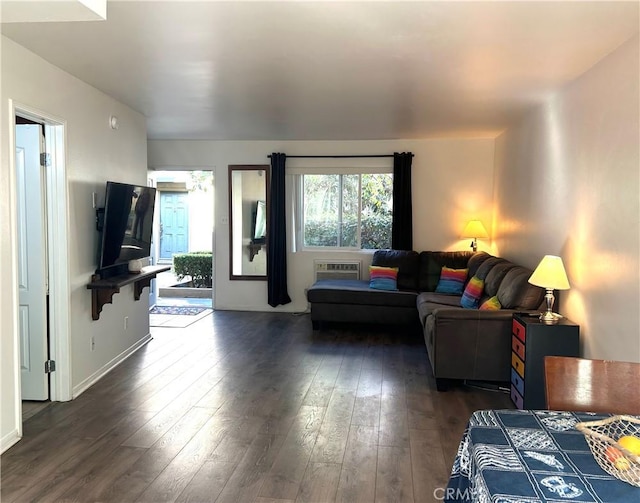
(39, 11)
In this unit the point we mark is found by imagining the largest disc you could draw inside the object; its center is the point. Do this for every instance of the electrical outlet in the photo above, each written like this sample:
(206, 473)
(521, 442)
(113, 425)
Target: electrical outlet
(126, 322)
(92, 343)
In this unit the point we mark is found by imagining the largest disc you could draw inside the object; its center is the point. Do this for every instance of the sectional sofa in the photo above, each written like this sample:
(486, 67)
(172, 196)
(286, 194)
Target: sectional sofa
(462, 343)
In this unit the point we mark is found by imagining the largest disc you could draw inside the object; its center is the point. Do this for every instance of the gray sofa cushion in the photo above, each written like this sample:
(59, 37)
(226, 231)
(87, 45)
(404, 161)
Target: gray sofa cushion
(516, 292)
(431, 264)
(495, 276)
(441, 299)
(407, 262)
(475, 262)
(427, 302)
(348, 291)
(487, 265)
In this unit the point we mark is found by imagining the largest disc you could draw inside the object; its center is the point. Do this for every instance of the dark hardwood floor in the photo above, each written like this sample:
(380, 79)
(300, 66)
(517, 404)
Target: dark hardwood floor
(251, 407)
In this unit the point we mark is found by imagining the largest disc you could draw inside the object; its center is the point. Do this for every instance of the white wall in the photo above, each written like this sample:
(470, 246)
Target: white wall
(95, 153)
(201, 215)
(452, 183)
(567, 183)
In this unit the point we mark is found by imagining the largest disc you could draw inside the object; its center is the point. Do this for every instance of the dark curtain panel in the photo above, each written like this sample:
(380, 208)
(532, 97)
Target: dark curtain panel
(277, 236)
(402, 227)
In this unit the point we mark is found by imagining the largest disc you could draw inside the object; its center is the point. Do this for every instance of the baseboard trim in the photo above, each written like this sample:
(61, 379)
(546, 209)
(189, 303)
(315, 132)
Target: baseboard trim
(9, 440)
(108, 367)
(262, 309)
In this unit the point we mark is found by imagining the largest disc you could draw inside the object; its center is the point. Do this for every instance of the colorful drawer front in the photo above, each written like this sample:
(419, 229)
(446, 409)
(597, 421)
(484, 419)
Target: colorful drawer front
(516, 397)
(517, 364)
(518, 330)
(517, 346)
(517, 381)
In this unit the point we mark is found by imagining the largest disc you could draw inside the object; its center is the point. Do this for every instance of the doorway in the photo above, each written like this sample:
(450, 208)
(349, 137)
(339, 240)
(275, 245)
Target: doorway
(184, 222)
(39, 186)
(33, 316)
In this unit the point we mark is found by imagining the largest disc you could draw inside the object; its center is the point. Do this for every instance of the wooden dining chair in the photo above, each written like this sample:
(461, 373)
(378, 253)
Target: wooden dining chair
(577, 384)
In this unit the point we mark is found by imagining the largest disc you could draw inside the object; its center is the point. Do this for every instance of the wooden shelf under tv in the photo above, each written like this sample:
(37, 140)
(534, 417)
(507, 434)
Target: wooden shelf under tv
(102, 290)
(254, 248)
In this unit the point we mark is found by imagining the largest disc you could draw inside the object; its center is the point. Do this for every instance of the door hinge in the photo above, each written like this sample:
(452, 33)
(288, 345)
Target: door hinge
(45, 159)
(49, 366)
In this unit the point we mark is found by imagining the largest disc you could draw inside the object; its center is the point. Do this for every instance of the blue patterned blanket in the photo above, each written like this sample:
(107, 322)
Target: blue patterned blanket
(515, 456)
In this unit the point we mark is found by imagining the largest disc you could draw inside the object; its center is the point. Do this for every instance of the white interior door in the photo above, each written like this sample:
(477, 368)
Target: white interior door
(32, 271)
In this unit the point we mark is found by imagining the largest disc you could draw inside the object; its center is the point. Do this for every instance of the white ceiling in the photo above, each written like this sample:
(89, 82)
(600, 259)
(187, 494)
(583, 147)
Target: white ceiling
(332, 70)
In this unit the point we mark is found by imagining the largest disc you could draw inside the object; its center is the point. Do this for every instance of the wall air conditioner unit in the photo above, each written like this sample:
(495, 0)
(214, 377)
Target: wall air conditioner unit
(335, 269)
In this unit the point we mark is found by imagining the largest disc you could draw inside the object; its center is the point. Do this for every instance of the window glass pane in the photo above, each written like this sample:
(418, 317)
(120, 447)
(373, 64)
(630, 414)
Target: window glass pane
(377, 205)
(320, 194)
(343, 210)
(350, 210)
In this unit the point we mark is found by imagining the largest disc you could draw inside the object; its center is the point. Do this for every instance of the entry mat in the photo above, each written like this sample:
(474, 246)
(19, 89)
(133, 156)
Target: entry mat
(177, 310)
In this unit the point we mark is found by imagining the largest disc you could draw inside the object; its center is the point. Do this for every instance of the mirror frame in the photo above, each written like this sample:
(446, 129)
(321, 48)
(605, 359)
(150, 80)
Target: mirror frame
(247, 167)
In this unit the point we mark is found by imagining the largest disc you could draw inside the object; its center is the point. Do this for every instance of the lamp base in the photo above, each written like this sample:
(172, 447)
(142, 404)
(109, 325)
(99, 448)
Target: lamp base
(550, 318)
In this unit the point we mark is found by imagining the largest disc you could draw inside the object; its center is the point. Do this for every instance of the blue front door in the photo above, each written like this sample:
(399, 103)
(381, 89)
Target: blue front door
(174, 224)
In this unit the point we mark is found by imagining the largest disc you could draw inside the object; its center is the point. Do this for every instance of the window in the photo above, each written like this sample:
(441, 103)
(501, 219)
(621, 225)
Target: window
(346, 210)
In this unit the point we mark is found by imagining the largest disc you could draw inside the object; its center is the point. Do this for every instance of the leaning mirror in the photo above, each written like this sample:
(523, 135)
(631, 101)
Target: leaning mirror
(248, 206)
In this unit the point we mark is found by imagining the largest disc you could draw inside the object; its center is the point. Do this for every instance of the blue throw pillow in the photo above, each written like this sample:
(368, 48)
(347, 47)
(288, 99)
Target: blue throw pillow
(383, 278)
(471, 296)
(452, 281)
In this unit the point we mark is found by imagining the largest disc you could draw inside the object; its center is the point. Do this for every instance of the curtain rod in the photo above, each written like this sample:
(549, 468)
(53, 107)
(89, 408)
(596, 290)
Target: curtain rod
(335, 156)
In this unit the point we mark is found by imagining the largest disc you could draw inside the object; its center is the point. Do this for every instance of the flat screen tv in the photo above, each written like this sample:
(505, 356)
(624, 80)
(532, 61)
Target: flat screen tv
(259, 224)
(127, 226)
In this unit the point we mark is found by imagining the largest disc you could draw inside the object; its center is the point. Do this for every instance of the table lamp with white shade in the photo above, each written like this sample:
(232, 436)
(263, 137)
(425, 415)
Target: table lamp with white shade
(474, 230)
(550, 275)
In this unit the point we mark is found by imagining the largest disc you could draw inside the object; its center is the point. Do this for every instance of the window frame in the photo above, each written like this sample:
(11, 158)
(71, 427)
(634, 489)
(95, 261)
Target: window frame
(299, 207)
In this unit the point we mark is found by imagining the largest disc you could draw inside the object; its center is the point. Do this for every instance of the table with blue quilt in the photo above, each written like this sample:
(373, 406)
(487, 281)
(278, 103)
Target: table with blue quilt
(509, 456)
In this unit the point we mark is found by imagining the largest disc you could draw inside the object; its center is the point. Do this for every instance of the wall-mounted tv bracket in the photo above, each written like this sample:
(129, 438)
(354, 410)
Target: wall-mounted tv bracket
(99, 219)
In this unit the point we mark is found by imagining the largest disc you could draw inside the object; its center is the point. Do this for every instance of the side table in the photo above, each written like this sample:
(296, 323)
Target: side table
(531, 341)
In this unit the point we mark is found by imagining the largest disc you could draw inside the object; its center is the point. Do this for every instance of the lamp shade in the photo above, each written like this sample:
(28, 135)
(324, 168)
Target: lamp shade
(474, 229)
(550, 273)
